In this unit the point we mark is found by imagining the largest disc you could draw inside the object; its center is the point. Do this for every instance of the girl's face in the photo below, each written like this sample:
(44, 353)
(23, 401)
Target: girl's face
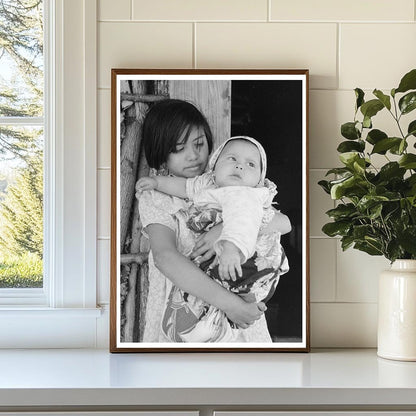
(239, 164)
(191, 156)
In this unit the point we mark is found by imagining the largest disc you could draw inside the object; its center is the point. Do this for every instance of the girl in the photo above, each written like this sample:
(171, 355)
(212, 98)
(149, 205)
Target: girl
(178, 141)
(236, 193)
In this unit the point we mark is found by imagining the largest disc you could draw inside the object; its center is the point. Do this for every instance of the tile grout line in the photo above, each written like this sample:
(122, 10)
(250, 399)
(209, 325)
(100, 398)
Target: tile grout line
(307, 22)
(336, 271)
(269, 11)
(131, 9)
(194, 62)
(338, 64)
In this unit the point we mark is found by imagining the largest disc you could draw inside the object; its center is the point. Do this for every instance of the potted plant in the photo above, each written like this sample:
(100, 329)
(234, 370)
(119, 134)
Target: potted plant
(376, 206)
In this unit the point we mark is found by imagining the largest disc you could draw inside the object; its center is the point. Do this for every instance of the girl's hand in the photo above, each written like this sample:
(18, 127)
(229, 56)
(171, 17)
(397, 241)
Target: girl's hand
(245, 314)
(146, 183)
(204, 245)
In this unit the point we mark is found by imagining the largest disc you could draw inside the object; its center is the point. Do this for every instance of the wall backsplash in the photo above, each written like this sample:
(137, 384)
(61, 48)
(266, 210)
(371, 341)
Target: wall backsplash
(345, 44)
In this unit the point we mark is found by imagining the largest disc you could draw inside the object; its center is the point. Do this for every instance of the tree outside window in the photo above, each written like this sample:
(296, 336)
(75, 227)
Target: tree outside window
(21, 143)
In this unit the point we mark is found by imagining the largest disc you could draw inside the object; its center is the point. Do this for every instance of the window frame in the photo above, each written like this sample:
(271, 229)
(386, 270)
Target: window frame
(29, 317)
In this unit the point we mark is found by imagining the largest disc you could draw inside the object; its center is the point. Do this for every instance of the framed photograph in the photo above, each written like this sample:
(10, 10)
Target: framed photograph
(209, 211)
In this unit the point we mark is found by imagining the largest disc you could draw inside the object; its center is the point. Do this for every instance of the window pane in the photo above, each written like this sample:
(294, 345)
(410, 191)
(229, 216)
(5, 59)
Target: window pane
(21, 207)
(21, 58)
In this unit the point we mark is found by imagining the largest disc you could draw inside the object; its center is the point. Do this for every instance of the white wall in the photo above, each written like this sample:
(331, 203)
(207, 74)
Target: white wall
(345, 44)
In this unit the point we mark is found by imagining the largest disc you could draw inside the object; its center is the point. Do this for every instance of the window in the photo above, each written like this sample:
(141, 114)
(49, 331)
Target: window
(22, 128)
(63, 312)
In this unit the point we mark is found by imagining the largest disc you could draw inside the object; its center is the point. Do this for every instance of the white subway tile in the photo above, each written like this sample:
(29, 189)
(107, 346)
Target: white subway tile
(200, 10)
(346, 325)
(104, 202)
(104, 129)
(114, 10)
(142, 45)
(341, 10)
(357, 275)
(103, 271)
(376, 55)
(270, 46)
(323, 269)
(328, 110)
(319, 203)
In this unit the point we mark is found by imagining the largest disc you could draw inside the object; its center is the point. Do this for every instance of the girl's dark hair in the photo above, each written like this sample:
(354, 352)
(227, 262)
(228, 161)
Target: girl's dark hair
(164, 124)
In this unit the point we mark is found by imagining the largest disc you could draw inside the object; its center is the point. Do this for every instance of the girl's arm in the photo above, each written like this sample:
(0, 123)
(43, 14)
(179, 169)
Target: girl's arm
(170, 185)
(188, 277)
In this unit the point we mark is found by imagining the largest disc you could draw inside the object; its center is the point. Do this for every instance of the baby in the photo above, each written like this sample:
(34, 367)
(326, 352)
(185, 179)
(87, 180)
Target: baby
(234, 191)
(235, 185)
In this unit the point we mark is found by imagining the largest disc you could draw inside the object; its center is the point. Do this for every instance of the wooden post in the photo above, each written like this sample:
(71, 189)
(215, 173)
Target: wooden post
(159, 89)
(129, 160)
(212, 98)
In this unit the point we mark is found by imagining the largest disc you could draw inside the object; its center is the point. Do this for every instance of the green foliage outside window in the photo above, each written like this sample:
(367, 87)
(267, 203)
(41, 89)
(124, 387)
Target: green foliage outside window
(21, 147)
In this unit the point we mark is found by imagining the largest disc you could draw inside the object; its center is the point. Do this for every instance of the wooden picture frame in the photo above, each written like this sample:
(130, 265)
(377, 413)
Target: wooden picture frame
(269, 105)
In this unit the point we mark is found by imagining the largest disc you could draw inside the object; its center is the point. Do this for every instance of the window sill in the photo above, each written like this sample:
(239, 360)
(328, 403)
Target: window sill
(39, 327)
(88, 379)
(48, 312)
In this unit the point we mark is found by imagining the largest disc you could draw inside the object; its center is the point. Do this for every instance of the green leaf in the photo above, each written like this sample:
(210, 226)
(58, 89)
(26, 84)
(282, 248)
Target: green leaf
(407, 240)
(367, 122)
(348, 158)
(408, 161)
(325, 186)
(394, 251)
(408, 102)
(342, 211)
(359, 95)
(371, 108)
(411, 182)
(369, 201)
(375, 211)
(385, 99)
(408, 82)
(346, 242)
(398, 149)
(336, 228)
(338, 171)
(402, 147)
(411, 130)
(360, 231)
(350, 146)
(383, 145)
(391, 170)
(368, 248)
(350, 131)
(359, 166)
(375, 136)
(338, 189)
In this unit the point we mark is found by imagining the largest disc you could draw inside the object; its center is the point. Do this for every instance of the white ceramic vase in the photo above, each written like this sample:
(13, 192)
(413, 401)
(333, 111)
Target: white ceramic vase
(397, 312)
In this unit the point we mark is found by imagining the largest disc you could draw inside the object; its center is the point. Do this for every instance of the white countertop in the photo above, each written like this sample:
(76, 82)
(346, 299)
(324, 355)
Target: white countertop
(96, 377)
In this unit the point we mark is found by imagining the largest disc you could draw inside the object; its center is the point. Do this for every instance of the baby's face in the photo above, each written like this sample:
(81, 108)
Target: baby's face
(239, 164)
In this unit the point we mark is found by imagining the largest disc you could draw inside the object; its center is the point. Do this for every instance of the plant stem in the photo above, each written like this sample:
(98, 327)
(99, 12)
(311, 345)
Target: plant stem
(397, 118)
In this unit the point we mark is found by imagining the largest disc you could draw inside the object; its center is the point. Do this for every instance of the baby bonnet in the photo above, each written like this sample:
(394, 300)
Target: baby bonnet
(217, 152)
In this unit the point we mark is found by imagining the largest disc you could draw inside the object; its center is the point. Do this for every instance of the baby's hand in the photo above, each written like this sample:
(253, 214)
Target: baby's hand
(229, 262)
(146, 183)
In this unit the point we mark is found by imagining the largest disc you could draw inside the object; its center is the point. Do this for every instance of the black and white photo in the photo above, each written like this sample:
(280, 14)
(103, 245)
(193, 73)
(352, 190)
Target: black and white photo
(209, 215)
